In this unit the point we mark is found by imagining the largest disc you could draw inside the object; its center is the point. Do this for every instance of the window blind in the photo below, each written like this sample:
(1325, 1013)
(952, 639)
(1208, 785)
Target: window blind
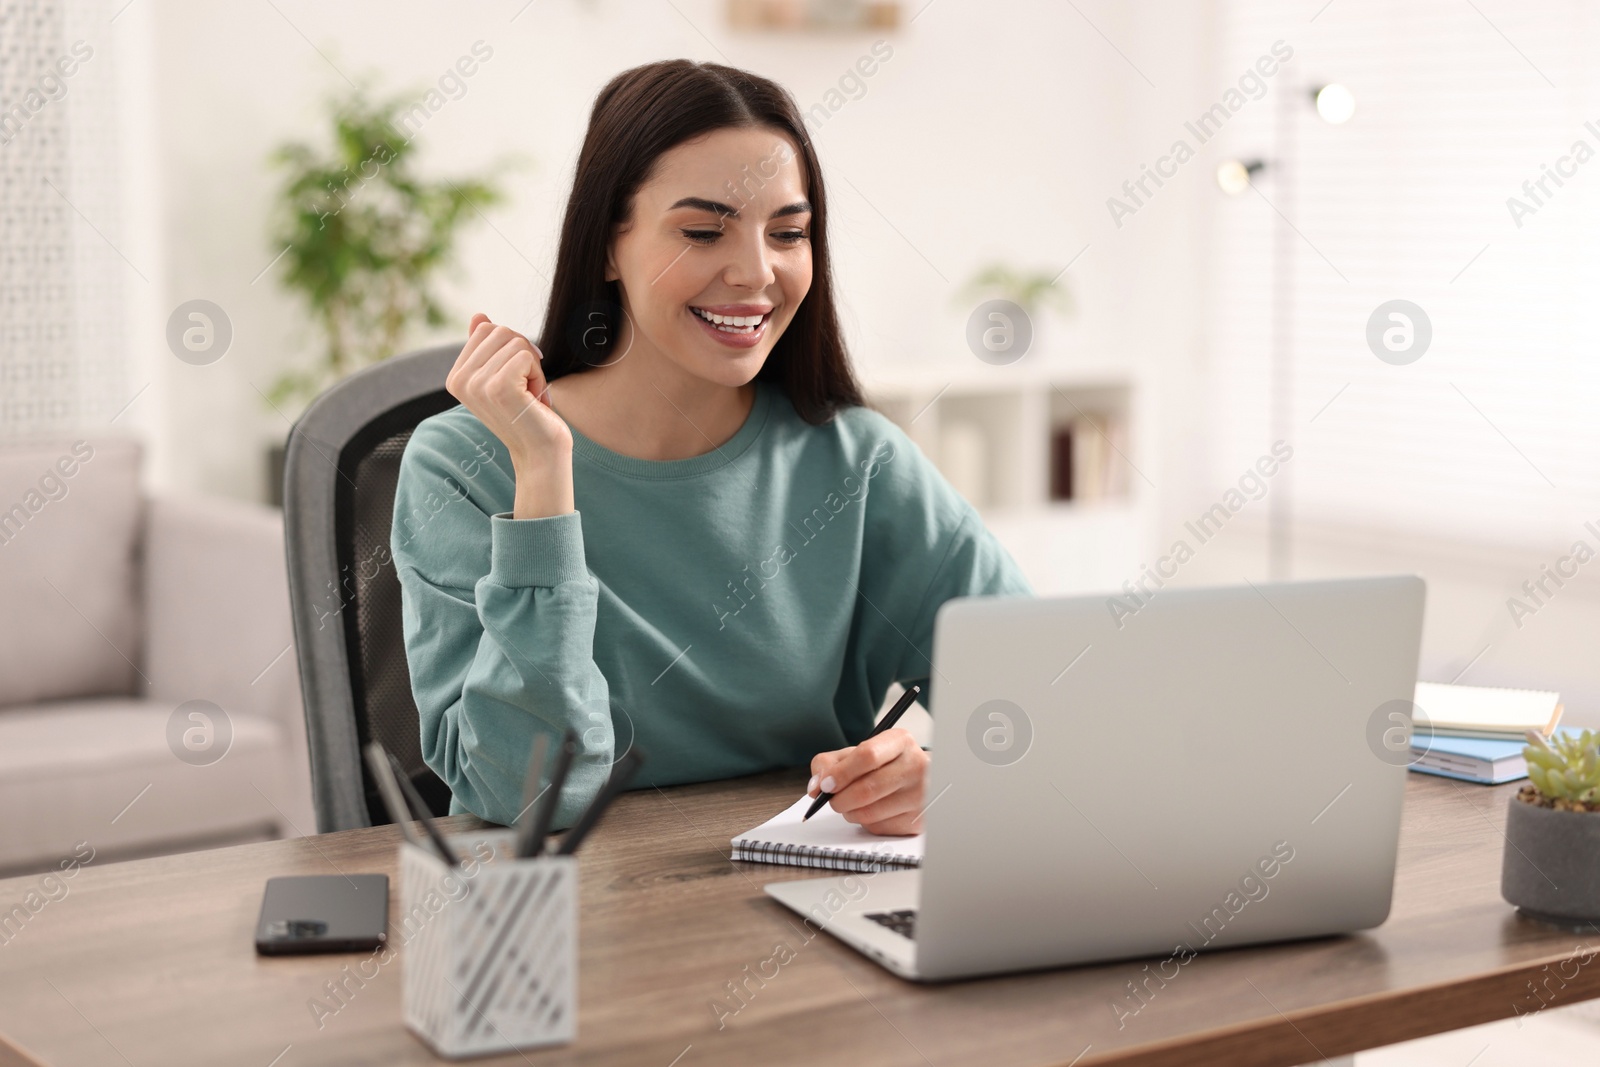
(1493, 434)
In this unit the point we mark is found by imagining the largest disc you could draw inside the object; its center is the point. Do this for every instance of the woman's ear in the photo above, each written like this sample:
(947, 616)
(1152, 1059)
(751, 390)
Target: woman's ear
(612, 274)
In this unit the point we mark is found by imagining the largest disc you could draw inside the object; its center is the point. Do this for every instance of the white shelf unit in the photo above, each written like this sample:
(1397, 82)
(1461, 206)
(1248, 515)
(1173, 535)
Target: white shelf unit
(989, 429)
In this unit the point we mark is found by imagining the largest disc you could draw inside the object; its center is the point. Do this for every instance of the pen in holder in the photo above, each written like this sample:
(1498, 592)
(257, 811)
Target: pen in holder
(490, 956)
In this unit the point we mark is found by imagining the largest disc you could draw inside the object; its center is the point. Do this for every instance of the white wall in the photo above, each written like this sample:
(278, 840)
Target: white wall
(1468, 635)
(994, 131)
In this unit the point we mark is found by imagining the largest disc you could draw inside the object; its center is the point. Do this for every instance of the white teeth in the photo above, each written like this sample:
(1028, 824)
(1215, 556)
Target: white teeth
(738, 323)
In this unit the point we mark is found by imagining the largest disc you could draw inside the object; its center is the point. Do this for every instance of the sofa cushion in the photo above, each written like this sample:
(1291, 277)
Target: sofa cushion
(217, 621)
(70, 515)
(216, 605)
(105, 772)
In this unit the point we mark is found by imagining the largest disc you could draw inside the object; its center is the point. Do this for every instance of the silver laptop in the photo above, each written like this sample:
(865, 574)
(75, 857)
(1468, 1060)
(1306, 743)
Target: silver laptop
(1111, 779)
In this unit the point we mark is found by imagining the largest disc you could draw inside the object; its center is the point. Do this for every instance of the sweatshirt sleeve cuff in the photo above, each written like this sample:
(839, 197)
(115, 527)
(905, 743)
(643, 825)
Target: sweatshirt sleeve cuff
(530, 552)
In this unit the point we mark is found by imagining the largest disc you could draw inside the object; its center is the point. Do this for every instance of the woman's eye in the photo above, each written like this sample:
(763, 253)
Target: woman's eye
(706, 237)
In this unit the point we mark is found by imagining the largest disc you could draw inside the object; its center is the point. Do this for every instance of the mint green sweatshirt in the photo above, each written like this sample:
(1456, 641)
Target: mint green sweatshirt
(730, 613)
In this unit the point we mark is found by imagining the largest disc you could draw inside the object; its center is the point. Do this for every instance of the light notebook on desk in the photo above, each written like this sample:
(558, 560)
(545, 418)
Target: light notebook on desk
(1485, 712)
(827, 840)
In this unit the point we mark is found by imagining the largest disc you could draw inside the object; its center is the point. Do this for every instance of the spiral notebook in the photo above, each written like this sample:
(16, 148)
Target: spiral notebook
(1481, 711)
(827, 840)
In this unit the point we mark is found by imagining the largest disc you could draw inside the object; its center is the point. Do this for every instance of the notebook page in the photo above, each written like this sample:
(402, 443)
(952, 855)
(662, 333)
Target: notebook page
(827, 829)
(1476, 707)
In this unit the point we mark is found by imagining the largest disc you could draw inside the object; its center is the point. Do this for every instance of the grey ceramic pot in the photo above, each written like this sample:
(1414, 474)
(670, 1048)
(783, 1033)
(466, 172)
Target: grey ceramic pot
(1552, 865)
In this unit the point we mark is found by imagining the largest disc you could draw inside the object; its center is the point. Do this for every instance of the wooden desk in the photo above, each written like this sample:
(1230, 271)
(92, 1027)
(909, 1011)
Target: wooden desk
(151, 963)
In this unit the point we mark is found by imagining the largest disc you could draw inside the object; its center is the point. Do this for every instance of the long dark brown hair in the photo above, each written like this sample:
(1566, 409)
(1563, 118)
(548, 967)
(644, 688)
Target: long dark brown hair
(639, 115)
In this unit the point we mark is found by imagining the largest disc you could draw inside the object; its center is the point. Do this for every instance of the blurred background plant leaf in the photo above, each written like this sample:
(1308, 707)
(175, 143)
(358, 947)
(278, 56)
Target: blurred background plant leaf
(1029, 290)
(364, 238)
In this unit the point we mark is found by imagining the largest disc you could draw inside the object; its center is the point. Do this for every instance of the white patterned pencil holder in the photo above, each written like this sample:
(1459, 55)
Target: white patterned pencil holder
(490, 961)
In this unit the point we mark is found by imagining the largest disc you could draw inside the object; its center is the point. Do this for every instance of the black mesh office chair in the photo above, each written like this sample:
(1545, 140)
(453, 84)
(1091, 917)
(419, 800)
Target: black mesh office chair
(342, 462)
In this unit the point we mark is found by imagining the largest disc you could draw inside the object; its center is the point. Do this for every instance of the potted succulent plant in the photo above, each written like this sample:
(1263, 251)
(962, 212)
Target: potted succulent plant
(1551, 870)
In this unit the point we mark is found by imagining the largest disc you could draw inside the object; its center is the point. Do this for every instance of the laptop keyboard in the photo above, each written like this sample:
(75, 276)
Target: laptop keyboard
(902, 922)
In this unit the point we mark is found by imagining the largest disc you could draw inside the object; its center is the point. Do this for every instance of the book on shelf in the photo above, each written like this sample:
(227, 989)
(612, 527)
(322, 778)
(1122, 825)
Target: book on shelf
(1088, 458)
(1061, 463)
(964, 460)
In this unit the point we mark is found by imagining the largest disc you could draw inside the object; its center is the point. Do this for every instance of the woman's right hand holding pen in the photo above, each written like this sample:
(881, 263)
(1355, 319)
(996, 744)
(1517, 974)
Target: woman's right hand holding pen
(498, 378)
(879, 784)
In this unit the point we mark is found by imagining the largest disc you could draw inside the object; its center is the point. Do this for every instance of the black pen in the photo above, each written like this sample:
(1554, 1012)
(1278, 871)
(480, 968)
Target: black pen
(546, 813)
(622, 773)
(530, 796)
(389, 790)
(420, 807)
(885, 723)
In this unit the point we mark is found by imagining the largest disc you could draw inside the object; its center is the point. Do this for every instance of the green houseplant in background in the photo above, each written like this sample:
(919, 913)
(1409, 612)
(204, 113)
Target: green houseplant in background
(997, 334)
(1551, 869)
(363, 239)
(1029, 290)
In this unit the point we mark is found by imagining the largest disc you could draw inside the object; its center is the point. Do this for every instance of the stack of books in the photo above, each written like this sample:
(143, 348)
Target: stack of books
(1088, 458)
(1477, 734)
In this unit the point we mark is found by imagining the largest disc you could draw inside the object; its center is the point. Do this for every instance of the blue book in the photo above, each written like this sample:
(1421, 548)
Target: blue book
(1470, 759)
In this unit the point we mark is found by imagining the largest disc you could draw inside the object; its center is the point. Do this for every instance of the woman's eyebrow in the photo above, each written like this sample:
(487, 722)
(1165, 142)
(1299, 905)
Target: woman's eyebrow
(799, 207)
(702, 204)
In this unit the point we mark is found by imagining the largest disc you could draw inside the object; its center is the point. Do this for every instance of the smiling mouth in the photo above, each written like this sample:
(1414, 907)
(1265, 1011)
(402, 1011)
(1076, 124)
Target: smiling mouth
(737, 325)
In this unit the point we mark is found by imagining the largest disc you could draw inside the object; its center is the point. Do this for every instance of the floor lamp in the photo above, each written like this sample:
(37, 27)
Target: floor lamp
(1334, 104)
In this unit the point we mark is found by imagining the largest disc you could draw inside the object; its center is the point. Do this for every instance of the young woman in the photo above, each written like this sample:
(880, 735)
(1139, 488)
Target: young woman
(671, 522)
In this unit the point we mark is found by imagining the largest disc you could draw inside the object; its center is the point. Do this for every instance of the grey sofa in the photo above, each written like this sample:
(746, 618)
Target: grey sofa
(149, 696)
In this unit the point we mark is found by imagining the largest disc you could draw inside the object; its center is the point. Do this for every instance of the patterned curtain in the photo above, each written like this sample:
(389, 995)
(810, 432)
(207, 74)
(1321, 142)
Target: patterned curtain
(62, 263)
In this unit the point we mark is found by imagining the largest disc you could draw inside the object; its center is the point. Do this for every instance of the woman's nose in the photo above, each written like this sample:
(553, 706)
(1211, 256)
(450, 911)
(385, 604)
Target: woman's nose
(750, 267)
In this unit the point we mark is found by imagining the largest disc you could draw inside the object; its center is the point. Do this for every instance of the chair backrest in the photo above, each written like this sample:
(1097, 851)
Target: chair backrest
(340, 469)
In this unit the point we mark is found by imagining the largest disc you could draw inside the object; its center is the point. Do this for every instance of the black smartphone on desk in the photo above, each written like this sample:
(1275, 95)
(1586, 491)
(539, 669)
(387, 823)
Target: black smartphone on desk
(323, 913)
